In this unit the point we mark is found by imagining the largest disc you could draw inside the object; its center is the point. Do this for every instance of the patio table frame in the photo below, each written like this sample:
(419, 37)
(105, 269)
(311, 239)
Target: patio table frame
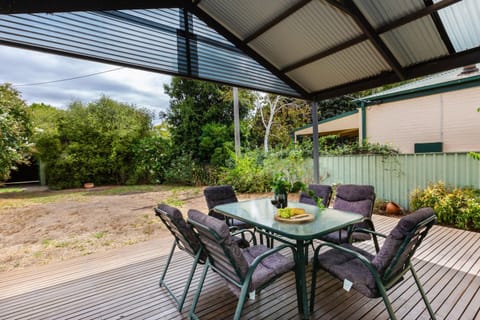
(260, 213)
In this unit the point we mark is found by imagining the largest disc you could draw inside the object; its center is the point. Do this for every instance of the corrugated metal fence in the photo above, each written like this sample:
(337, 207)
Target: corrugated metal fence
(395, 177)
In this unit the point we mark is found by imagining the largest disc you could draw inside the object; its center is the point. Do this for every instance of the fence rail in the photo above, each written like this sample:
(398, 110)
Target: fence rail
(395, 177)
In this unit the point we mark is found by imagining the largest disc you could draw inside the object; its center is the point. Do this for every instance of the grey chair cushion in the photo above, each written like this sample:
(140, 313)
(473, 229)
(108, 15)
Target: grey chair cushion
(397, 235)
(221, 229)
(362, 207)
(342, 236)
(270, 267)
(216, 195)
(353, 198)
(355, 192)
(187, 238)
(407, 223)
(345, 266)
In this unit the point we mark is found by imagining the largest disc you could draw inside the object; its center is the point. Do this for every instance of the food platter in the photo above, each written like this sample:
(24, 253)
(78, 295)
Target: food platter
(302, 217)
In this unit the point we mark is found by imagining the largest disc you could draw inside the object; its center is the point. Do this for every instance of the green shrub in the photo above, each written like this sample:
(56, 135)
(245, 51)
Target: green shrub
(246, 174)
(453, 206)
(254, 171)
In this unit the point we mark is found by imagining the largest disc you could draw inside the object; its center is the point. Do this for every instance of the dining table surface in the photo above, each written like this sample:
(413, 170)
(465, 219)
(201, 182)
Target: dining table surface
(260, 213)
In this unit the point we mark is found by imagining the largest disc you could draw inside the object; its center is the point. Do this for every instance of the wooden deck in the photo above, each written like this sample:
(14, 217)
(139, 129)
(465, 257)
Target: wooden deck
(123, 284)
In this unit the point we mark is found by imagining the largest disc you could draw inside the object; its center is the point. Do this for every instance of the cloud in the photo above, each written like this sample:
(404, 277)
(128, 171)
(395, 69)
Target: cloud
(140, 88)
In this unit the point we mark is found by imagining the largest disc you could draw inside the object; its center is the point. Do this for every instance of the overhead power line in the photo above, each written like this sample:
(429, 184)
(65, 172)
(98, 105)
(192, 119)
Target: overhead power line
(67, 79)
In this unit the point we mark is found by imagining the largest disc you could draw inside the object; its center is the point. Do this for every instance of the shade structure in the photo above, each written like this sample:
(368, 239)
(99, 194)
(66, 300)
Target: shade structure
(311, 49)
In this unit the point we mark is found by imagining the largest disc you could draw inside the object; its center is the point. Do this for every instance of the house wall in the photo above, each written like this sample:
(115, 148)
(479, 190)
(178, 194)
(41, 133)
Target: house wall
(448, 117)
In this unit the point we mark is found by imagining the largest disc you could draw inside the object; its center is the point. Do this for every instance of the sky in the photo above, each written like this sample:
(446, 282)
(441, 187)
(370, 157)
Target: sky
(27, 69)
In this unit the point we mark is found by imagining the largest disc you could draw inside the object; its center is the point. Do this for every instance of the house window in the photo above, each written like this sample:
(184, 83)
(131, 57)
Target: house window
(428, 147)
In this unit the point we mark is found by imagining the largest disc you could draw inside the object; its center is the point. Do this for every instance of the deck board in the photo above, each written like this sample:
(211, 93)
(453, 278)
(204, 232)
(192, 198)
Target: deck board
(123, 284)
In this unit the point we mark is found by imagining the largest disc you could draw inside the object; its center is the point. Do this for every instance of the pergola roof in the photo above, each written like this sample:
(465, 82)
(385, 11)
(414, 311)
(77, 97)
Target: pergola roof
(312, 49)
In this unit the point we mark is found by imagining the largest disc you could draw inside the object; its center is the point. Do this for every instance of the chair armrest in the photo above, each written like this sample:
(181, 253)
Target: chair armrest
(369, 231)
(243, 231)
(233, 228)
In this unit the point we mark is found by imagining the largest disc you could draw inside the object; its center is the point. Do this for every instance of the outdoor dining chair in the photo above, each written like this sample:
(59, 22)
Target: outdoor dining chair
(217, 195)
(246, 270)
(322, 191)
(185, 240)
(359, 199)
(372, 275)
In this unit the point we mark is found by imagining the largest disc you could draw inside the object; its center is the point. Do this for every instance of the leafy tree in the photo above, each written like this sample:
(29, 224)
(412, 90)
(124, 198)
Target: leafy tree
(276, 117)
(216, 143)
(329, 108)
(45, 136)
(152, 156)
(14, 130)
(91, 143)
(195, 104)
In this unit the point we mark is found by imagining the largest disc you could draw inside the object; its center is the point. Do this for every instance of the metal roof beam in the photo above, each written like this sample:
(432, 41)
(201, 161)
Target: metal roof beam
(387, 27)
(351, 9)
(456, 60)
(34, 6)
(277, 20)
(212, 23)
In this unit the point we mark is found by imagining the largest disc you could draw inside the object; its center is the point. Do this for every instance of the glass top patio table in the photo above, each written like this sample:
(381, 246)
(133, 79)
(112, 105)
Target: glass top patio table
(260, 213)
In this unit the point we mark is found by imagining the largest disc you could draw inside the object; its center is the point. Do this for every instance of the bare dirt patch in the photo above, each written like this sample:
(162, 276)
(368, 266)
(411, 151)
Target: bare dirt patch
(42, 226)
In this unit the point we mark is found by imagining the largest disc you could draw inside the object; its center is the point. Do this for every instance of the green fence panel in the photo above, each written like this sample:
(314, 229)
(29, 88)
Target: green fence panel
(395, 177)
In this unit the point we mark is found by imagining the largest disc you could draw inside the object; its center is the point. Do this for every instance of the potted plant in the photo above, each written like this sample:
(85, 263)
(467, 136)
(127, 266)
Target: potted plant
(281, 186)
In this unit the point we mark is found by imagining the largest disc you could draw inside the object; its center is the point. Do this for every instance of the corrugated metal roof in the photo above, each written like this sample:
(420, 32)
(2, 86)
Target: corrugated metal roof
(415, 42)
(462, 23)
(444, 78)
(309, 48)
(317, 27)
(342, 67)
(148, 39)
(382, 12)
(243, 17)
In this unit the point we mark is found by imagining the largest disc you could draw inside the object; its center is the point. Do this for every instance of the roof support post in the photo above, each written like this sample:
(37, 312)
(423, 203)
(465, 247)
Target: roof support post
(236, 122)
(316, 169)
(364, 121)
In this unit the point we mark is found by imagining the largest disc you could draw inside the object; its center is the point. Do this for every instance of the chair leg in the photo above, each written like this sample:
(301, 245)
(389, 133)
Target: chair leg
(422, 292)
(189, 281)
(388, 305)
(241, 300)
(168, 264)
(192, 314)
(163, 284)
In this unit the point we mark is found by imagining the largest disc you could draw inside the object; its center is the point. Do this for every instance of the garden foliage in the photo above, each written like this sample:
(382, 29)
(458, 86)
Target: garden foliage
(453, 206)
(14, 130)
(255, 170)
(90, 142)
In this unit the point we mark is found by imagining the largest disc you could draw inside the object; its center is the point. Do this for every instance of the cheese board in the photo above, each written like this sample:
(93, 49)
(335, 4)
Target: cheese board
(299, 216)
